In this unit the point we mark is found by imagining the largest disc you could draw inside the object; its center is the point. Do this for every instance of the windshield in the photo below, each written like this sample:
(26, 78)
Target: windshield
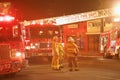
(44, 32)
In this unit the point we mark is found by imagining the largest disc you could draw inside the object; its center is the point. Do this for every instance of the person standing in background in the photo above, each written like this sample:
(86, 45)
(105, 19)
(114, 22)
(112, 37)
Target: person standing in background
(55, 53)
(72, 51)
(61, 53)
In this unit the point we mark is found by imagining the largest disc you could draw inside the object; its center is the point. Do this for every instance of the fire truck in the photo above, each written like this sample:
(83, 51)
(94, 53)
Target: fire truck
(38, 39)
(12, 57)
(110, 41)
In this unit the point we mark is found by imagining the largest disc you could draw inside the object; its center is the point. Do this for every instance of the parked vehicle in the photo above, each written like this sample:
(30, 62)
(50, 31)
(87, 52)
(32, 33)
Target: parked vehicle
(12, 56)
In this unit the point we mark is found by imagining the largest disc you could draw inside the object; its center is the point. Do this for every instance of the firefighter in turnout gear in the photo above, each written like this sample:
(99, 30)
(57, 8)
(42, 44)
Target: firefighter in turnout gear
(61, 53)
(71, 51)
(55, 54)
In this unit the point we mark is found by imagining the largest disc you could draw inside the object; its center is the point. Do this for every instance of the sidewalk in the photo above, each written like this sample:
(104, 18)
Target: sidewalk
(96, 55)
(90, 54)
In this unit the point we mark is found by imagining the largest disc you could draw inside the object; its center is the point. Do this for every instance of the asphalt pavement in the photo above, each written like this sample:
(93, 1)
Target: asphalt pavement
(91, 68)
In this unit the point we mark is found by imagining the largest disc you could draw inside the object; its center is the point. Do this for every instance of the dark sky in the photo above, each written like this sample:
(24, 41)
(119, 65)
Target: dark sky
(37, 9)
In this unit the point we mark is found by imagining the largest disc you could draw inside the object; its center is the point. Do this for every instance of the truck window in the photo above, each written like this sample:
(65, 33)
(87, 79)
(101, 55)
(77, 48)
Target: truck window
(7, 33)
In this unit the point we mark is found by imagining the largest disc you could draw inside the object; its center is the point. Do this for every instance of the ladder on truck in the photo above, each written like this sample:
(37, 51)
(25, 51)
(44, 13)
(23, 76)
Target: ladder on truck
(68, 19)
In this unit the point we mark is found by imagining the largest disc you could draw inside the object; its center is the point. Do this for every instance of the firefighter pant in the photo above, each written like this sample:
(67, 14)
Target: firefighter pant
(55, 62)
(72, 62)
(61, 58)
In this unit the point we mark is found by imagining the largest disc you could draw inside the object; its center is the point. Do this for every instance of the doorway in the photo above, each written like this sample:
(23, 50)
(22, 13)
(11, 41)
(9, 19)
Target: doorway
(93, 43)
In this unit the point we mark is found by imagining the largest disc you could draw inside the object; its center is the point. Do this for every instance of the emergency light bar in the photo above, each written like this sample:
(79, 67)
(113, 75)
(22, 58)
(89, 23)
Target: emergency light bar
(6, 18)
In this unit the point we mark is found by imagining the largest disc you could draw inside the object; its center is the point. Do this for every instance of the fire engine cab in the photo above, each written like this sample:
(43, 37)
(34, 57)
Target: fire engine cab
(38, 39)
(12, 55)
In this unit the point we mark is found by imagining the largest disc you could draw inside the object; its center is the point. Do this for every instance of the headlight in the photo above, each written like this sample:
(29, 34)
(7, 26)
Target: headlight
(18, 54)
(27, 47)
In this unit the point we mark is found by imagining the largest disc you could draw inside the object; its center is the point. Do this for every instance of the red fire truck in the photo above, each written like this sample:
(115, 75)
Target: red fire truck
(12, 56)
(38, 41)
(110, 43)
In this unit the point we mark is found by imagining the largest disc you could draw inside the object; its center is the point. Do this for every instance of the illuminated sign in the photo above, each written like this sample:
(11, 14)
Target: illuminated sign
(93, 26)
(83, 16)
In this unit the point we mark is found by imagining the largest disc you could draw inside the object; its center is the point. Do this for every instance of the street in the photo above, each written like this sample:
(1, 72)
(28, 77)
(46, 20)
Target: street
(90, 69)
(36, 33)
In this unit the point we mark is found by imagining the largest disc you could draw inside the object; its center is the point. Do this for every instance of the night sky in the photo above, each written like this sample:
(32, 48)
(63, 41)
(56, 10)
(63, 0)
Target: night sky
(37, 9)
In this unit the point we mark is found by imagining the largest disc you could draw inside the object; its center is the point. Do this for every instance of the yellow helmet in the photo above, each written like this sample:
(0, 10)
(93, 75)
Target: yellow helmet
(70, 39)
(55, 38)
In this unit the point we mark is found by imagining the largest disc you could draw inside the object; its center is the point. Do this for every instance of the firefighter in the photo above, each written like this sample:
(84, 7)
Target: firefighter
(55, 54)
(61, 53)
(71, 51)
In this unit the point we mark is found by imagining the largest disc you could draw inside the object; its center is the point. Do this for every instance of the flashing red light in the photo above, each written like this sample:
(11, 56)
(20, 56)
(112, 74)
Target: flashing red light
(33, 23)
(6, 18)
(1, 18)
(41, 23)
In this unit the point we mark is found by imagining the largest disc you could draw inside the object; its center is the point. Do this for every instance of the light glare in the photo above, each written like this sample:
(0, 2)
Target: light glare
(117, 10)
